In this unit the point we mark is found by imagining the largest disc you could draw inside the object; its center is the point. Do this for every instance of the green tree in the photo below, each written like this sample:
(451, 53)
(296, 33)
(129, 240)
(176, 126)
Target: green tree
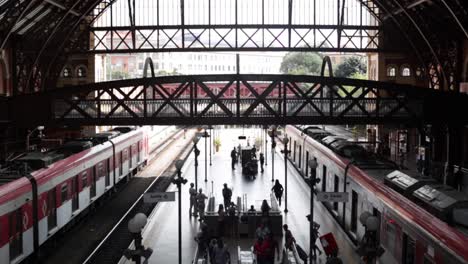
(119, 75)
(301, 63)
(350, 66)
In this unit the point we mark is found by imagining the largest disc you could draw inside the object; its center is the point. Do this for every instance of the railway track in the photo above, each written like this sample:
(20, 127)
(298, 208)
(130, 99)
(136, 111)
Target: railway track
(119, 238)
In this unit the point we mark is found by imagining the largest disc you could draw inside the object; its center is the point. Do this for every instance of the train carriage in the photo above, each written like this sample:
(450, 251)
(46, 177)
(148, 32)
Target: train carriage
(39, 199)
(409, 233)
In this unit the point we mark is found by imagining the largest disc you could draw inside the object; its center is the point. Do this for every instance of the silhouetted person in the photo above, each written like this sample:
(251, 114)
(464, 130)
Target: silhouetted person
(288, 238)
(201, 197)
(193, 200)
(265, 208)
(262, 161)
(227, 194)
(278, 190)
(233, 157)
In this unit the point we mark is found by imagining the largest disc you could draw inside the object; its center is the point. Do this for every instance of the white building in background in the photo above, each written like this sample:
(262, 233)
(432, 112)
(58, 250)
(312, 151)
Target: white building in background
(186, 63)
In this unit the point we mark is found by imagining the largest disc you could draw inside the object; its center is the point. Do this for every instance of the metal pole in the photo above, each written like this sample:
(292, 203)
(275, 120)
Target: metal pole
(196, 167)
(180, 219)
(138, 246)
(273, 155)
(286, 177)
(311, 227)
(206, 158)
(266, 147)
(211, 142)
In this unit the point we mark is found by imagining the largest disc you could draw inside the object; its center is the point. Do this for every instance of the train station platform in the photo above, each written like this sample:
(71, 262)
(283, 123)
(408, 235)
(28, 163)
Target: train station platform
(161, 231)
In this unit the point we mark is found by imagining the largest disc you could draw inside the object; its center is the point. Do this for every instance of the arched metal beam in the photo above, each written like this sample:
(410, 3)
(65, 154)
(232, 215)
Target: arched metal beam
(326, 62)
(423, 36)
(10, 30)
(148, 62)
(463, 29)
(33, 74)
(53, 61)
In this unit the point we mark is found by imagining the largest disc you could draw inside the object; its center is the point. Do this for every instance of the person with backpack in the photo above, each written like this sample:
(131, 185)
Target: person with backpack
(227, 194)
(278, 190)
(262, 161)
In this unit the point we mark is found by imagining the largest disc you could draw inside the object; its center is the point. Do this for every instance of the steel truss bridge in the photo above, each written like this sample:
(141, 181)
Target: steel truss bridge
(237, 99)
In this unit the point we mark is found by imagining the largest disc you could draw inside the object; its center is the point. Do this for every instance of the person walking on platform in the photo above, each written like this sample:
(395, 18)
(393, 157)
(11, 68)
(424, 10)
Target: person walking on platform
(227, 194)
(262, 161)
(193, 200)
(233, 157)
(278, 190)
(201, 197)
(288, 238)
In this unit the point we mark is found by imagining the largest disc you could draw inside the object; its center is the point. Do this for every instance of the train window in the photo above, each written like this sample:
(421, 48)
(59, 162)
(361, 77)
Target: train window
(408, 249)
(84, 179)
(16, 233)
(354, 210)
(307, 164)
(289, 147)
(64, 192)
(107, 172)
(75, 194)
(92, 182)
(324, 179)
(335, 189)
(130, 165)
(51, 204)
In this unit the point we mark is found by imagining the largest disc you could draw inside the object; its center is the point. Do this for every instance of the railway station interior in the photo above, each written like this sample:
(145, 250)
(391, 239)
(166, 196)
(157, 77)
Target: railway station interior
(234, 131)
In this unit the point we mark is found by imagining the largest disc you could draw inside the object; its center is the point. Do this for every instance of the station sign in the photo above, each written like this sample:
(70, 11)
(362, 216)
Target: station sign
(154, 197)
(333, 197)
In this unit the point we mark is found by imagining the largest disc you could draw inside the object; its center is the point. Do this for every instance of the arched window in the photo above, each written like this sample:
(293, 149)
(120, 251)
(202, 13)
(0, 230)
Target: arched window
(66, 72)
(391, 71)
(81, 72)
(405, 71)
(418, 72)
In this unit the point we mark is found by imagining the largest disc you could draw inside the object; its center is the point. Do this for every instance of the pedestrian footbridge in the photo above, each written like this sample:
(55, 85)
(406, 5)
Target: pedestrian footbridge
(237, 99)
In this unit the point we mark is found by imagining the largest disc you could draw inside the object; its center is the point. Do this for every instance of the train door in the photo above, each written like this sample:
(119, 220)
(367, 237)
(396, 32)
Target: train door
(408, 251)
(75, 194)
(16, 233)
(138, 152)
(324, 179)
(121, 163)
(300, 156)
(307, 164)
(92, 183)
(51, 204)
(354, 211)
(294, 151)
(107, 172)
(376, 213)
(335, 189)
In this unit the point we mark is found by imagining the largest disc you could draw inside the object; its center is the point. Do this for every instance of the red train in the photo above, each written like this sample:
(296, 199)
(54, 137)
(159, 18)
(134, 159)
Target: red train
(413, 228)
(40, 193)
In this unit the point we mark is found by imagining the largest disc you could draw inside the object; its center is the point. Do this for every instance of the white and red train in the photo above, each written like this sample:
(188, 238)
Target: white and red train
(37, 204)
(408, 233)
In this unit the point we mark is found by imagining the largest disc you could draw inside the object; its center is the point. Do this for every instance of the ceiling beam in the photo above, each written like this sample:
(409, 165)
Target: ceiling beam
(52, 2)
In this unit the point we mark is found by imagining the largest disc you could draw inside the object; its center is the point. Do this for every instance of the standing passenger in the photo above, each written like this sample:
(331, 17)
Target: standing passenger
(193, 200)
(262, 161)
(201, 197)
(227, 194)
(233, 157)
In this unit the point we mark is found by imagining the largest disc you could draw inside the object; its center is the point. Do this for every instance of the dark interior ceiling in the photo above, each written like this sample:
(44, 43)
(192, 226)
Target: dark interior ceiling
(40, 33)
